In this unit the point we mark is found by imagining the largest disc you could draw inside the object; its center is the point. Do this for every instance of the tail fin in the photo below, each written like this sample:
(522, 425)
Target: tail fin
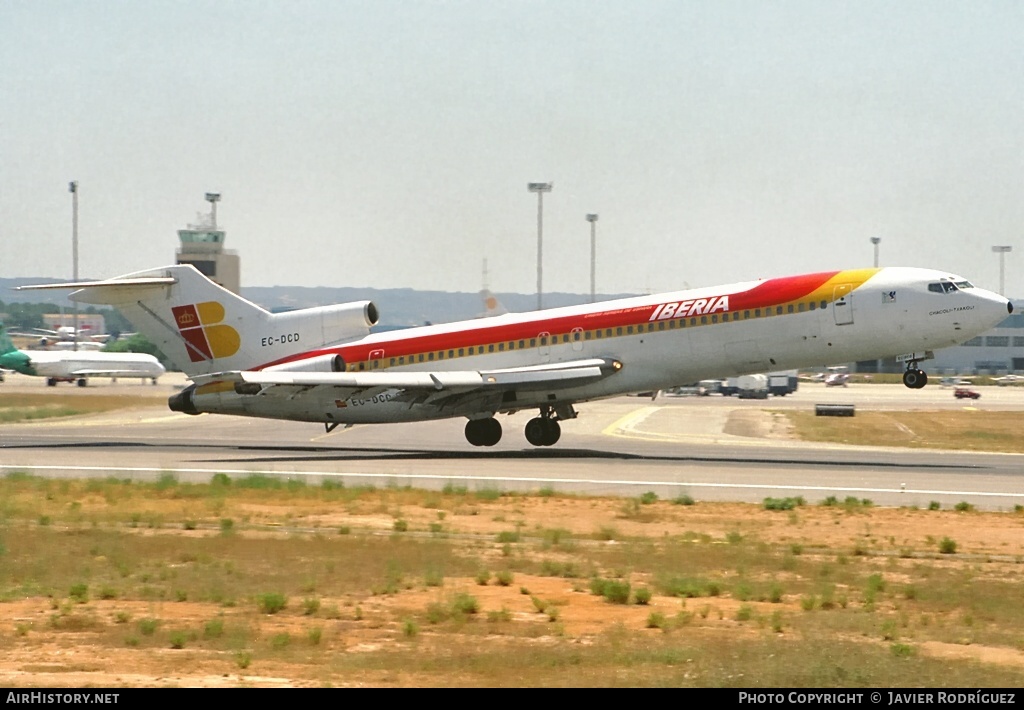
(492, 306)
(6, 344)
(204, 328)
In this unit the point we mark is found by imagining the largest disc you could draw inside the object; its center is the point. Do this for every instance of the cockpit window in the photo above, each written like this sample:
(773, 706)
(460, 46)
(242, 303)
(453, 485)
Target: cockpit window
(964, 284)
(943, 287)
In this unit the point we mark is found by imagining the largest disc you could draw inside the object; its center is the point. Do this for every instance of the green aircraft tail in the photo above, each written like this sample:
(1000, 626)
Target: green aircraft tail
(6, 345)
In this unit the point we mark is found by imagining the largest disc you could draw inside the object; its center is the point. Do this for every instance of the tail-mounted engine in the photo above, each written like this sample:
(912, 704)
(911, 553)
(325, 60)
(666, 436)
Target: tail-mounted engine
(326, 325)
(320, 363)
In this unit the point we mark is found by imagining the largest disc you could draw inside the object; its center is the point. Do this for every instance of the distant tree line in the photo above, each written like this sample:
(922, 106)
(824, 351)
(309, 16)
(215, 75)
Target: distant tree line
(137, 343)
(28, 316)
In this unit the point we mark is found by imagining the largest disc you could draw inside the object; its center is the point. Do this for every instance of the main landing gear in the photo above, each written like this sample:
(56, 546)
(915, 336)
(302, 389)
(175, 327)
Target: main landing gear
(540, 431)
(543, 430)
(914, 378)
(483, 432)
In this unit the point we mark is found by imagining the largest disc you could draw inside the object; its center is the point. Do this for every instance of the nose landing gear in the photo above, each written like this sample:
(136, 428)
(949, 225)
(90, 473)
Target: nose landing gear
(914, 378)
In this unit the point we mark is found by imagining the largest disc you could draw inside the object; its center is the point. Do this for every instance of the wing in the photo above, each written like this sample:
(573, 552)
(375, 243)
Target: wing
(456, 390)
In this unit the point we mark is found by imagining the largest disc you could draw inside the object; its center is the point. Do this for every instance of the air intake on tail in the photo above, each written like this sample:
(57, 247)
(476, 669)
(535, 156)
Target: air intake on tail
(321, 363)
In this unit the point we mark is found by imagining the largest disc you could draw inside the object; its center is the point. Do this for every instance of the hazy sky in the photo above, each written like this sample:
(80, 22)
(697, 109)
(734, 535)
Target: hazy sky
(388, 144)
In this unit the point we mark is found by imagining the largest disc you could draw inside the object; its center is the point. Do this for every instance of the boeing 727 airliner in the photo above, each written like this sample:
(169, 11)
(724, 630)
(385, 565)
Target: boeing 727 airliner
(323, 365)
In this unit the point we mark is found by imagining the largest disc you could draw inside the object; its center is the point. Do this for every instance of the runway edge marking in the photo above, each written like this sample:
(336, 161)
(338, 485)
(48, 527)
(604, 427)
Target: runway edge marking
(510, 479)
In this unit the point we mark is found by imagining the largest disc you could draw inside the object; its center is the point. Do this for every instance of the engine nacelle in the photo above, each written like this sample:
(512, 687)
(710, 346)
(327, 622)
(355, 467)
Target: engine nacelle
(320, 363)
(328, 324)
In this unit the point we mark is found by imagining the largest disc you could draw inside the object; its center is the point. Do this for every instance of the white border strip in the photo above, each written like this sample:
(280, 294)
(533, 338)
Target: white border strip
(506, 479)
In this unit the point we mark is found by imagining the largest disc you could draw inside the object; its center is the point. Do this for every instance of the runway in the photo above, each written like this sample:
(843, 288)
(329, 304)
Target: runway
(624, 446)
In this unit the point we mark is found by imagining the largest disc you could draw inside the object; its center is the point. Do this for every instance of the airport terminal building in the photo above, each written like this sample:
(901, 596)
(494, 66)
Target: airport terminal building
(1000, 351)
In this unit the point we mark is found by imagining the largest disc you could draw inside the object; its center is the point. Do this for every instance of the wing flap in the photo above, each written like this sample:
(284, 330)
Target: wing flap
(351, 380)
(422, 386)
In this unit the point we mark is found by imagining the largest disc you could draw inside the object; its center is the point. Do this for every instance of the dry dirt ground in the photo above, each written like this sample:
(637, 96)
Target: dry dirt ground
(97, 650)
(52, 642)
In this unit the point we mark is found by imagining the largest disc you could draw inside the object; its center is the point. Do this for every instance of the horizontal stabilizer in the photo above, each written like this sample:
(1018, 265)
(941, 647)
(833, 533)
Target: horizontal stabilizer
(109, 292)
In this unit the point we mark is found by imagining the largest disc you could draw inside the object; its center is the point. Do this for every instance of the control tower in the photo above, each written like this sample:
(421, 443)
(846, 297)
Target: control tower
(202, 245)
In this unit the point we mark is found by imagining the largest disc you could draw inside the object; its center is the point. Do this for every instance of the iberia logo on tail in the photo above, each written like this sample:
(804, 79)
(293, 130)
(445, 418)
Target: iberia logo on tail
(200, 325)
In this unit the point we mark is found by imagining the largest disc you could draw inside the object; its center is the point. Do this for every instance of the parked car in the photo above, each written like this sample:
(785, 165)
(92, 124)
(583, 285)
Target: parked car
(964, 393)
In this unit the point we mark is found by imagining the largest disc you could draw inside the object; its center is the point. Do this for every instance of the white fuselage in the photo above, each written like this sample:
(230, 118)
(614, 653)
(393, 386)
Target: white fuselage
(82, 364)
(661, 341)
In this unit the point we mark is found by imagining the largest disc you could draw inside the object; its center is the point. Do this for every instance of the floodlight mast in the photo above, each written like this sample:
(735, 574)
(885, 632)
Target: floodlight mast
(875, 241)
(540, 188)
(73, 189)
(1002, 251)
(592, 218)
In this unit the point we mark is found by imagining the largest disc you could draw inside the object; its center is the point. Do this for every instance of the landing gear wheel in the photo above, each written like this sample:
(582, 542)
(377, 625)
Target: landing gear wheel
(552, 433)
(542, 431)
(535, 431)
(483, 432)
(50, 382)
(81, 382)
(915, 378)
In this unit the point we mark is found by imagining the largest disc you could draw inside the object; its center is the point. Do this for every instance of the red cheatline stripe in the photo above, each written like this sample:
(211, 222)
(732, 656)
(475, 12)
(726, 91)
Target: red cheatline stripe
(776, 291)
(765, 294)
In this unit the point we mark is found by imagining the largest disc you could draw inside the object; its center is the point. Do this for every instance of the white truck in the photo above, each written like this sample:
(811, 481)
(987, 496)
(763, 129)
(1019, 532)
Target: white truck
(752, 387)
(778, 384)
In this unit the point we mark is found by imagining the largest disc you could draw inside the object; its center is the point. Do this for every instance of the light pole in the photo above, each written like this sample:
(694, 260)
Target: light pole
(875, 241)
(1002, 262)
(73, 189)
(592, 218)
(540, 188)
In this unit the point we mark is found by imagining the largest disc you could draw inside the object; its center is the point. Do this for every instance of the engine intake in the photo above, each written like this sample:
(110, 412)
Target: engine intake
(325, 325)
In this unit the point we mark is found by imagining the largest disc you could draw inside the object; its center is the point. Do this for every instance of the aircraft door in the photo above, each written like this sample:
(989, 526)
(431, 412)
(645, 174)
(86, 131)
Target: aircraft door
(842, 304)
(376, 357)
(543, 345)
(577, 339)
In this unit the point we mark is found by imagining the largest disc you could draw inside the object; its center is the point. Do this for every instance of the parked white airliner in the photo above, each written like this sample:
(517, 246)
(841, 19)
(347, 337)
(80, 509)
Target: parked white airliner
(322, 365)
(76, 366)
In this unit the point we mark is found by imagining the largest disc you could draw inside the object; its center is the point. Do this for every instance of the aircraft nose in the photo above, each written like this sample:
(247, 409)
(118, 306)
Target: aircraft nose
(995, 306)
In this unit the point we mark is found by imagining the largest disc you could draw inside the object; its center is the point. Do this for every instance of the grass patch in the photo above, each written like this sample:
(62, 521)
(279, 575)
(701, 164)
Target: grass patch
(615, 591)
(782, 503)
(271, 602)
(955, 429)
(16, 407)
(278, 545)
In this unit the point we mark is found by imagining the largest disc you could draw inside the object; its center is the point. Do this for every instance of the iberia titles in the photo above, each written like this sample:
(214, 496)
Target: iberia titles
(695, 307)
